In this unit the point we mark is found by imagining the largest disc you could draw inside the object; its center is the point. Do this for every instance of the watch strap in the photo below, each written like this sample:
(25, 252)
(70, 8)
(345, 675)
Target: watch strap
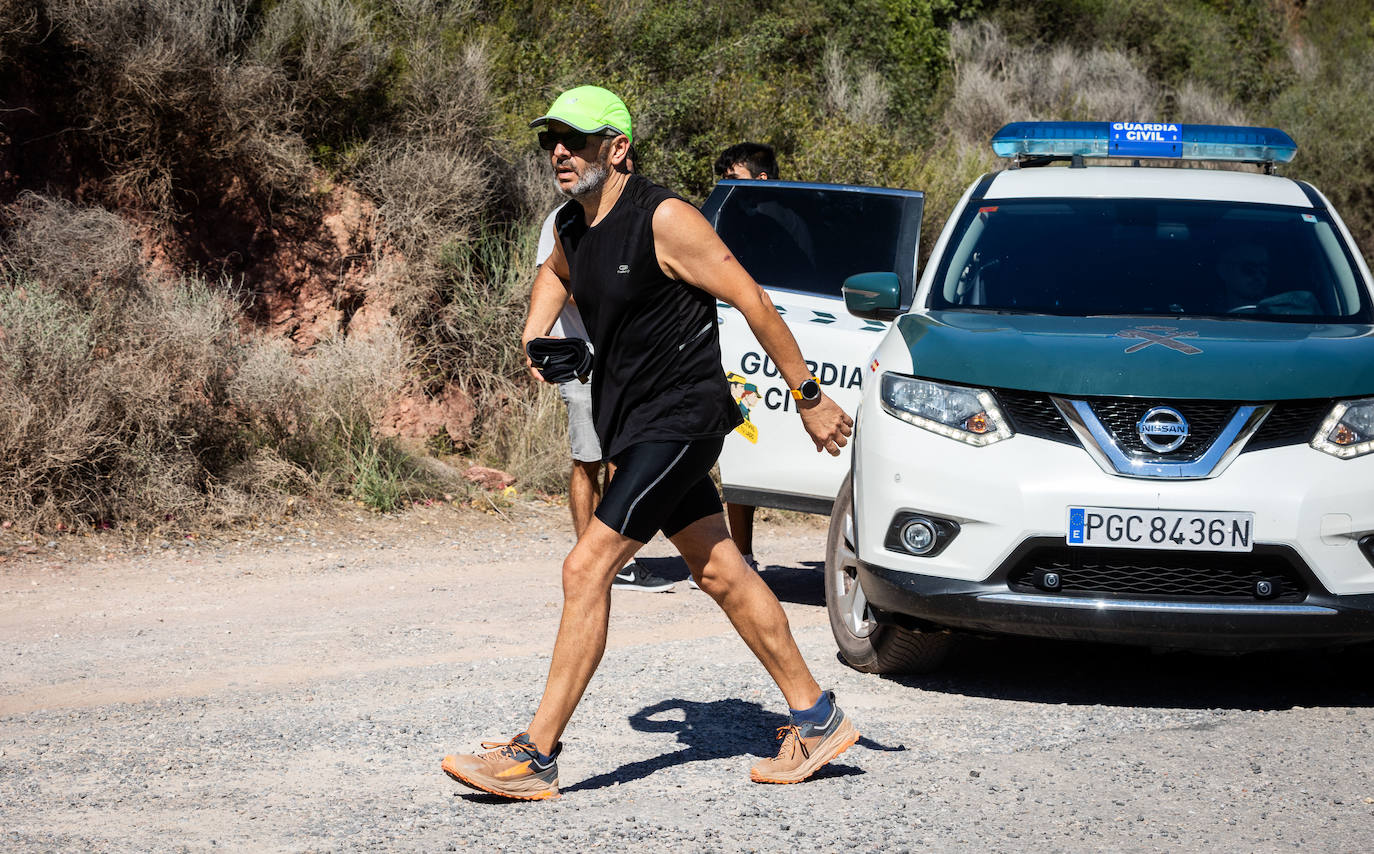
(796, 392)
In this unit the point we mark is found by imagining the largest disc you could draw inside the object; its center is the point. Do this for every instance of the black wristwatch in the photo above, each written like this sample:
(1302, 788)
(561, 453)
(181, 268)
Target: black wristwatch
(809, 390)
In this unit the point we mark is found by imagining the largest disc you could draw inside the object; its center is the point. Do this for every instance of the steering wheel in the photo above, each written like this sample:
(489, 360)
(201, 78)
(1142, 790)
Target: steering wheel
(1244, 309)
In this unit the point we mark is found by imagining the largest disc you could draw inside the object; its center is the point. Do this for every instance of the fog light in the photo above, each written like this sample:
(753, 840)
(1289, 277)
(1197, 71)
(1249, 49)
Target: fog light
(918, 535)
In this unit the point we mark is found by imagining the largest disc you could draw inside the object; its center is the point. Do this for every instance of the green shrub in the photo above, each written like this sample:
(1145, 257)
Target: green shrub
(1328, 111)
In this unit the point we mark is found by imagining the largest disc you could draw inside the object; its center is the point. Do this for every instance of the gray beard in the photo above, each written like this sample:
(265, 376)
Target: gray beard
(591, 181)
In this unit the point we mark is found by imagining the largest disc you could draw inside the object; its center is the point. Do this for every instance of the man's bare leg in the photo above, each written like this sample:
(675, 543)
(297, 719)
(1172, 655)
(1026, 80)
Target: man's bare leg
(741, 518)
(587, 574)
(719, 569)
(584, 490)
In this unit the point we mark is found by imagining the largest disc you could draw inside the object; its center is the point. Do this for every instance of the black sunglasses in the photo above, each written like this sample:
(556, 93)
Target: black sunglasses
(573, 140)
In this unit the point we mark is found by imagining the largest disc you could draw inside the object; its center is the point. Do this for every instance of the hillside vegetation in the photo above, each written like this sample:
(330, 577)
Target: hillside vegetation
(261, 249)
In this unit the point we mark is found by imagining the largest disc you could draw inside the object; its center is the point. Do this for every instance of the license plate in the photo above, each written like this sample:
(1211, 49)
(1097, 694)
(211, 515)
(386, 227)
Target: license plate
(1193, 530)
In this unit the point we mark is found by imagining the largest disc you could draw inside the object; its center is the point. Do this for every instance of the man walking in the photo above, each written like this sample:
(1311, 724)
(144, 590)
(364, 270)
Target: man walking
(646, 268)
(584, 478)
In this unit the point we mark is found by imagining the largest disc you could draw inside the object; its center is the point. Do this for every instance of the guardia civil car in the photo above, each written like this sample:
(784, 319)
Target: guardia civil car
(1127, 402)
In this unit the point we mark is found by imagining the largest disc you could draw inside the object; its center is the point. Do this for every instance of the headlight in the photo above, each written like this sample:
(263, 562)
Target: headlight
(967, 414)
(1348, 431)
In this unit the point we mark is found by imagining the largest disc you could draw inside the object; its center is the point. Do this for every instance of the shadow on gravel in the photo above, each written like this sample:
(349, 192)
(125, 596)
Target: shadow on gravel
(1049, 671)
(714, 730)
(801, 585)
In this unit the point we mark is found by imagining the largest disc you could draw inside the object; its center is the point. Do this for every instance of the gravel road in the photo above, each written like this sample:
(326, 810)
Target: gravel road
(294, 690)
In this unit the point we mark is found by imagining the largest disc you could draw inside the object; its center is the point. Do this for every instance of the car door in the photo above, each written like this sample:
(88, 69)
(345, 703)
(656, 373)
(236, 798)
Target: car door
(800, 241)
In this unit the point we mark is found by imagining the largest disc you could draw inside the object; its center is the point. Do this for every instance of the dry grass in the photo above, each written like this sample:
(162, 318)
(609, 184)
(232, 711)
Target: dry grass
(40, 245)
(996, 82)
(860, 95)
(161, 90)
(462, 292)
(446, 94)
(326, 47)
(1199, 105)
(312, 419)
(429, 199)
(531, 186)
(110, 400)
(528, 436)
(474, 338)
(124, 397)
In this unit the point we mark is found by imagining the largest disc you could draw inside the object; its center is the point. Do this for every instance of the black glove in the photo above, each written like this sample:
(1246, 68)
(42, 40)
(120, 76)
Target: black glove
(561, 360)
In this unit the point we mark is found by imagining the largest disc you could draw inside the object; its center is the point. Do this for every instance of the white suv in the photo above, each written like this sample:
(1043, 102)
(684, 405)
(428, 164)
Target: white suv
(1128, 403)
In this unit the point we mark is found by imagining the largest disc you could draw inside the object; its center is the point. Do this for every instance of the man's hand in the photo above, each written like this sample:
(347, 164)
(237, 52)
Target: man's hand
(529, 363)
(828, 425)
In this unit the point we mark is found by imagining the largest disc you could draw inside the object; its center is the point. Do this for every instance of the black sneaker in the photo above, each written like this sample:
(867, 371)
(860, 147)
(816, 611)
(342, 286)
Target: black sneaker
(636, 577)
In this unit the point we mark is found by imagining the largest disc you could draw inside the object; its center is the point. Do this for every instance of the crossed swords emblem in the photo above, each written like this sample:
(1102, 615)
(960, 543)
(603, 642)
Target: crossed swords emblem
(1166, 335)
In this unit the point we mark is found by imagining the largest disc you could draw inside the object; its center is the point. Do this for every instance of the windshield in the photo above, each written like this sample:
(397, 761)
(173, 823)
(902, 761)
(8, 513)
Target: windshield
(1080, 257)
(812, 239)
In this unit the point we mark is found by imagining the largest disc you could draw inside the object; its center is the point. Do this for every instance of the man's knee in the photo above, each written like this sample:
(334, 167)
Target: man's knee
(576, 574)
(588, 571)
(715, 567)
(585, 472)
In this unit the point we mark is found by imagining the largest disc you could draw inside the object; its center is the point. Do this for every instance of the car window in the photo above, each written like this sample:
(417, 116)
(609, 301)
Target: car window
(1150, 257)
(812, 240)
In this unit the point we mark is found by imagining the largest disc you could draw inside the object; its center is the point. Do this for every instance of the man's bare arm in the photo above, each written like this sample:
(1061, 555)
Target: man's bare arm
(548, 295)
(690, 250)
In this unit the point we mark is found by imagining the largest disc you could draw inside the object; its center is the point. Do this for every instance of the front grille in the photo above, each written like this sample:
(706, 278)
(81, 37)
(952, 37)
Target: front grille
(1141, 574)
(1292, 422)
(1206, 419)
(1034, 414)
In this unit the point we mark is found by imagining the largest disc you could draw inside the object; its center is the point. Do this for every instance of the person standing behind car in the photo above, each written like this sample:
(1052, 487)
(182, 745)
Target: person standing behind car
(584, 478)
(746, 161)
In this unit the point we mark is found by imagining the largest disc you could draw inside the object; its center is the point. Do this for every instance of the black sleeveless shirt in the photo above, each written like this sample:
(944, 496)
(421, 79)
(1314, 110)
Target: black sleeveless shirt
(656, 372)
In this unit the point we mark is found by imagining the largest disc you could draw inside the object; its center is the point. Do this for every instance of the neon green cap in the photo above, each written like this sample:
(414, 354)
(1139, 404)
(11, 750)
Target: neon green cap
(589, 109)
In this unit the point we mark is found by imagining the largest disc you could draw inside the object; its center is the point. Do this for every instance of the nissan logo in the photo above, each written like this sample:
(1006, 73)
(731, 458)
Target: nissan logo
(1163, 429)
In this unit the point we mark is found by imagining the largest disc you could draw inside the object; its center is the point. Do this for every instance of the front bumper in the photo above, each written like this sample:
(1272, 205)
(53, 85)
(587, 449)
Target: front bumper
(920, 601)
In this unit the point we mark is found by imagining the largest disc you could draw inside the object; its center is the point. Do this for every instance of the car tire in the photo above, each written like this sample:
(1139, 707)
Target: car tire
(865, 644)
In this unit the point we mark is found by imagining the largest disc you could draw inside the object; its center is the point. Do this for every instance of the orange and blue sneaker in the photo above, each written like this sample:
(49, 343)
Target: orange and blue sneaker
(511, 769)
(806, 746)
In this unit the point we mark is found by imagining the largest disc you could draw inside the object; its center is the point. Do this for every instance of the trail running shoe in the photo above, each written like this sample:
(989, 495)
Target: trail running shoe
(636, 577)
(806, 748)
(508, 768)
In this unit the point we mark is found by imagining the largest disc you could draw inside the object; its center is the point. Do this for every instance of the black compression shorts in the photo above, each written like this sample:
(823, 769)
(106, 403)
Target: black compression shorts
(661, 486)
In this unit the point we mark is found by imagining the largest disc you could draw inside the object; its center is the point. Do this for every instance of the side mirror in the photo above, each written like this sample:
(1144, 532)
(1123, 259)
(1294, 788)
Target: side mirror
(873, 296)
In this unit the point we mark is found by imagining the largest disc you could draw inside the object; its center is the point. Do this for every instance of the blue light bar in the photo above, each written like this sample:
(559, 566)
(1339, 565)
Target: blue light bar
(1144, 139)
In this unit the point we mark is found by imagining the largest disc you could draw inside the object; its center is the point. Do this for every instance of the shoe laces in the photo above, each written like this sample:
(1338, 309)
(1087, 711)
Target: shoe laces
(791, 734)
(508, 749)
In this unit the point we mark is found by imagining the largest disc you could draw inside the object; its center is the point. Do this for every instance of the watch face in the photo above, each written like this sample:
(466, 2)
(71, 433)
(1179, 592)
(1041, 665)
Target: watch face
(810, 390)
